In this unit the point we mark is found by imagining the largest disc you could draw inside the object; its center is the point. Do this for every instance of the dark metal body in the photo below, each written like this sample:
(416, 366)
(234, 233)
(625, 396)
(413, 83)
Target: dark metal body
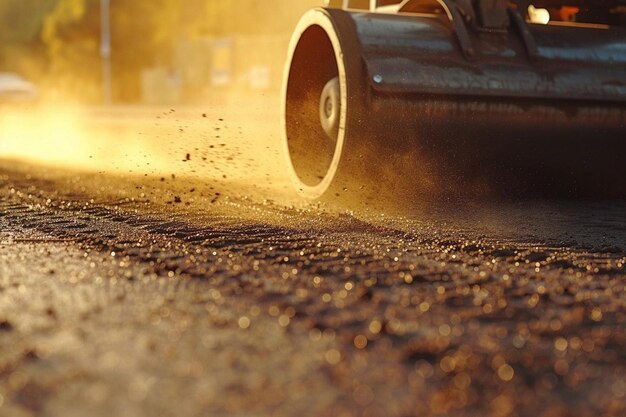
(421, 54)
(552, 121)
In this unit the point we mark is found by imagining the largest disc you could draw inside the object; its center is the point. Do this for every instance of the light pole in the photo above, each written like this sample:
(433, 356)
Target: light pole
(105, 49)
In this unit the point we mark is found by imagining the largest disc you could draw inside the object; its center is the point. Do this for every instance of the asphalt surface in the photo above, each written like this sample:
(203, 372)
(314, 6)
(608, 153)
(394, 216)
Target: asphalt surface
(146, 294)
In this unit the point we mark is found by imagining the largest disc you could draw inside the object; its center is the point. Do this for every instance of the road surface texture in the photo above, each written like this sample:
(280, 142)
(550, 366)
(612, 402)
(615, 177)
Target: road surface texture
(132, 294)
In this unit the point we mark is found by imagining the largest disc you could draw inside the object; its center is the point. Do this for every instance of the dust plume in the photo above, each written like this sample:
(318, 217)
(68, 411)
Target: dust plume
(230, 149)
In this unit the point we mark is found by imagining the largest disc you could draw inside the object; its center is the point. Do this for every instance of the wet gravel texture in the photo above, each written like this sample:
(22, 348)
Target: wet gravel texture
(144, 306)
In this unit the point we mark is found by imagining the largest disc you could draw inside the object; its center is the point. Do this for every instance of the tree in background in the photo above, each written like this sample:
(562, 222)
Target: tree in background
(21, 49)
(142, 33)
(71, 35)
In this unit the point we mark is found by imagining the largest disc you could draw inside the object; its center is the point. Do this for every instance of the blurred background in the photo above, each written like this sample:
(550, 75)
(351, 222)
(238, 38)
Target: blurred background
(152, 52)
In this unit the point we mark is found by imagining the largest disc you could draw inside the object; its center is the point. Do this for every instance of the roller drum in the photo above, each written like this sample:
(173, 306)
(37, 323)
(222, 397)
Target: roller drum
(417, 117)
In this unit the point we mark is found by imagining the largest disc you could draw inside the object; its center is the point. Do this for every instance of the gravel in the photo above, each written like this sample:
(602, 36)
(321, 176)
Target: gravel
(114, 301)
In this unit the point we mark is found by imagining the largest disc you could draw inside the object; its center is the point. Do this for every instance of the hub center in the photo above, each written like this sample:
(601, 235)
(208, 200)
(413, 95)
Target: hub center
(330, 108)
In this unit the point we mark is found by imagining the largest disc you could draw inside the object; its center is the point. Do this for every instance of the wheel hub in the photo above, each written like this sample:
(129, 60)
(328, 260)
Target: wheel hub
(330, 108)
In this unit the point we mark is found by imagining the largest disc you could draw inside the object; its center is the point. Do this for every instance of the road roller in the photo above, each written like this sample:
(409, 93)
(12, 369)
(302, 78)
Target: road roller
(447, 98)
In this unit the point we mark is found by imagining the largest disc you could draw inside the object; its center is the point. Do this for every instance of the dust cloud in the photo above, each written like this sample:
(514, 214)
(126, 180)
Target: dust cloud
(227, 148)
